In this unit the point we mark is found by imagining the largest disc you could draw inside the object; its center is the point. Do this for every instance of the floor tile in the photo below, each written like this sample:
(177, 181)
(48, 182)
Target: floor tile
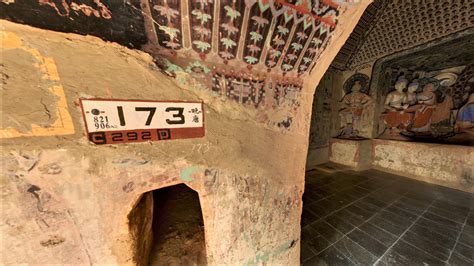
(329, 233)
(374, 201)
(465, 251)
(411, 205)
(318, 209)
(350, 217)
(459, 260)
(420, 197)
(434, 236)
(307, 233)
(453, 215)
(403, 253)
(402, 213)
(428, 245)
(384, 237)
(438, 228)
(384, 196)
(306, 253)
(370, 216)
(372, 184)
(442, 221)
(341, 199)
(355, 252)
(470, 219)
(307, 217)
(360, 212)
(367, 242)
(317, 243)
(330, 256)
(341, 224)
(467, 239)
(393, 228)
(364, 204)
(395, 218)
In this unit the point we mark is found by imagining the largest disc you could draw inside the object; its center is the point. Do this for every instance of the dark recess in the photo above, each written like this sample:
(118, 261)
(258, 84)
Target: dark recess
(126, 26)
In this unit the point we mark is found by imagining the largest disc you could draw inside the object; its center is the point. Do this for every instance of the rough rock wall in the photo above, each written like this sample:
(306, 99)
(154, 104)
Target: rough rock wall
(67, 200)
(78, 195)
(140, 220)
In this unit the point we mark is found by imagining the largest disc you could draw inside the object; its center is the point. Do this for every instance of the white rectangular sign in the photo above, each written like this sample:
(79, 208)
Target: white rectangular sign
(108, 116)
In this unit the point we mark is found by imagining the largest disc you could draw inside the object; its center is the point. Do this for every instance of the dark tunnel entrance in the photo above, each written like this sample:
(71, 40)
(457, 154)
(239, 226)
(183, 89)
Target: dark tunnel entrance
(167, 227)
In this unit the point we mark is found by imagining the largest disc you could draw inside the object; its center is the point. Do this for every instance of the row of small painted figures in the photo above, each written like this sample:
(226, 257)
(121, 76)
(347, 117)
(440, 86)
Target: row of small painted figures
(416, 112)
(412, 109)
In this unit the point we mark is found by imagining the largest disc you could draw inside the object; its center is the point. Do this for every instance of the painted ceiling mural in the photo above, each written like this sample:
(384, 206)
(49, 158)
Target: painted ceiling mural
(274, 35)
(255, 52)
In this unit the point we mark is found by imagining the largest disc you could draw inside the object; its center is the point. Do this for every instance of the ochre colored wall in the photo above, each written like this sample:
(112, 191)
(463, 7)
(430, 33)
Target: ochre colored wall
(447, 165)
(66, 200)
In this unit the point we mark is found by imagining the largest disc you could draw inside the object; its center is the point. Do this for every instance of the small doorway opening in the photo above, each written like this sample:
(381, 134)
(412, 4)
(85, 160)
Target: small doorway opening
(167, 227)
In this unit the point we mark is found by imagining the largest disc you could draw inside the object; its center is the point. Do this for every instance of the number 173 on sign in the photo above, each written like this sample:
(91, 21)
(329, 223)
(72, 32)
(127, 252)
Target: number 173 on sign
(119, 121)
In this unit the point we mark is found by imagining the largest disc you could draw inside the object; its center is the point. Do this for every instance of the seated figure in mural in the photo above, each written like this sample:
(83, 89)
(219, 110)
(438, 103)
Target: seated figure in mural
(465, 117)
(423, 110)
(428, 112)
(411, 94)
(354, 104)
(395, 117)
(441, 120)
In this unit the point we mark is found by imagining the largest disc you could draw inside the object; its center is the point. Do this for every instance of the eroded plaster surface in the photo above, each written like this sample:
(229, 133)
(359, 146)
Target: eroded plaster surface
(440, 164)
(68, 200)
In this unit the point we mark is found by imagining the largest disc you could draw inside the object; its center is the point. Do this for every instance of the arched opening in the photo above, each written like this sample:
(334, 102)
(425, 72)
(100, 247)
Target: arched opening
(167, 227)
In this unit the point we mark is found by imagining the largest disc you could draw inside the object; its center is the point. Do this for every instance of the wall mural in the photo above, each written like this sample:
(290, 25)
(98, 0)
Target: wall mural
(295, 30)
(255, 52)
(430, 106)
(257, 49)
(320, 131)
(167, 15)
(354, 112)
(254, 91)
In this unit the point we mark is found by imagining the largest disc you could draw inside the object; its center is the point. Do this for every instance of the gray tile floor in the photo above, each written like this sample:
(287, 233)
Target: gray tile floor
(373, 217)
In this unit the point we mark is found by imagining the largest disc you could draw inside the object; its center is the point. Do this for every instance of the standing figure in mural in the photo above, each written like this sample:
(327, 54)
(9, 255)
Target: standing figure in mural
(354, 103)
(395, 117)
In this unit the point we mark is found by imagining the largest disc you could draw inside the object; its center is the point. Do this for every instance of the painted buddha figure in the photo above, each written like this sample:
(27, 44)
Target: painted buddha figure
(353, 108)
(423, 110)
(396, 102)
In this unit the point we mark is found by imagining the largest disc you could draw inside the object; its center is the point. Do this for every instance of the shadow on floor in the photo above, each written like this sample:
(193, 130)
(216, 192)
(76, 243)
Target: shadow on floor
(373, 217)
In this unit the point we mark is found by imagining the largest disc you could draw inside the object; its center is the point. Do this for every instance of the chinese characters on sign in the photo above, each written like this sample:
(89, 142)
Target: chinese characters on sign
(121, 121)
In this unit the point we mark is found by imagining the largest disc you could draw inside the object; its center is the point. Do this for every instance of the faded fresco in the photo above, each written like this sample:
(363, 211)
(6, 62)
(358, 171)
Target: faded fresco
(431, 105)
(319, 134)
(295, 30)
(425, 94)
(253, 52)
(355, 107)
